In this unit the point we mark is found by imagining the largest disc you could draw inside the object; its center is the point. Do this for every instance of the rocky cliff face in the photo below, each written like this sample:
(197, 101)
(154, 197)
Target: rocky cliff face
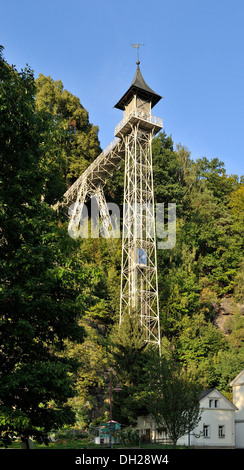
(226, 310)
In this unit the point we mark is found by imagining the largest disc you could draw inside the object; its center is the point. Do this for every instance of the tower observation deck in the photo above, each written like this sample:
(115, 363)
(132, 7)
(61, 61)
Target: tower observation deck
(133, 145)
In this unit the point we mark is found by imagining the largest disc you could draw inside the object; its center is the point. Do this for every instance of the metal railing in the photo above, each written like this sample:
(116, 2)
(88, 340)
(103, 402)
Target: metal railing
(140, 115)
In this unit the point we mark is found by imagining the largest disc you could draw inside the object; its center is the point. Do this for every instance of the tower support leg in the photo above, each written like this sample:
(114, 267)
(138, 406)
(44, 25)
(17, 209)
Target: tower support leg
(139, 283)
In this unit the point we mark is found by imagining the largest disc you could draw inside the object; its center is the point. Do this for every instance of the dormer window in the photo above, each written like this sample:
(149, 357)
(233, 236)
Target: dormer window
(213, 403)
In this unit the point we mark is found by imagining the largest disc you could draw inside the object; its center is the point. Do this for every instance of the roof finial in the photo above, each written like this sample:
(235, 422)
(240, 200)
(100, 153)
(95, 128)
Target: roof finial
(137, 47)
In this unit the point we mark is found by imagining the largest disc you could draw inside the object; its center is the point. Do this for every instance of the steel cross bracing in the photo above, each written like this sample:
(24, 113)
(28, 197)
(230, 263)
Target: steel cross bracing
(139, 283)
(90, 184)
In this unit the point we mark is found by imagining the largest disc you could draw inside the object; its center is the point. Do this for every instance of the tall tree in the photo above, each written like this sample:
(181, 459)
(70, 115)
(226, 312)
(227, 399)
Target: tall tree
(70, 141)
(130, 354)
(213, 173)
(173, 399)
(41, 288)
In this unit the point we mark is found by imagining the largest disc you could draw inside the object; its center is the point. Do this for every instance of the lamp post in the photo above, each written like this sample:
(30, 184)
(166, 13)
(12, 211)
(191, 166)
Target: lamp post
(116, 389)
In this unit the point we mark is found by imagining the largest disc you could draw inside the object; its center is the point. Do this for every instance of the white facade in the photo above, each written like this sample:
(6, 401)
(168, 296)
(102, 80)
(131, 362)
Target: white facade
(221, 424)
(238, 400)
(146, 427)
(217, 425)
(215, 429)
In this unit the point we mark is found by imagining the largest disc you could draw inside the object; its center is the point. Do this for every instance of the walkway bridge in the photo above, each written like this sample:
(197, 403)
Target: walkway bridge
(93, 179)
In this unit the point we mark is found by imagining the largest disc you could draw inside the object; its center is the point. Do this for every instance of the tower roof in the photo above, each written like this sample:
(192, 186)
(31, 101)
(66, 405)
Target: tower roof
(140, 88)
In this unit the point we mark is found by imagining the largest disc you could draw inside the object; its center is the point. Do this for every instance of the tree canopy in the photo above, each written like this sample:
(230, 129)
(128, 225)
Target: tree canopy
(173, 399)
(44, 285)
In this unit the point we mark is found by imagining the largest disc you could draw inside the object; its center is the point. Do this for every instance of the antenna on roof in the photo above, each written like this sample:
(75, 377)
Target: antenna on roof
(137, 47)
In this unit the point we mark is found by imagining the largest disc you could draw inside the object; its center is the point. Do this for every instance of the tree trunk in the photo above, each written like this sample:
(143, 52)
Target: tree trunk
(27, 444)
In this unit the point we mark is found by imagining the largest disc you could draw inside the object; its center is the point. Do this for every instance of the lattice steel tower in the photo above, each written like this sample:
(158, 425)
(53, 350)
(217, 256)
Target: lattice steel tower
(139, 283)
(133, 144)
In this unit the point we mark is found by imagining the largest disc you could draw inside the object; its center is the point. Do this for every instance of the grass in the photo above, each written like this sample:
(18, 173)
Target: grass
(59, 444)
(83, 444)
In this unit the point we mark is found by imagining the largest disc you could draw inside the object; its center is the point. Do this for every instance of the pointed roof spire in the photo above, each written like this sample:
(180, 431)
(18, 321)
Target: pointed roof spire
(140, 88)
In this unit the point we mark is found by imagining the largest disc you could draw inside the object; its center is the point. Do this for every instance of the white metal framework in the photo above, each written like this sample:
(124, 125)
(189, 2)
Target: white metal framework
(90, 184)
(139, 284)
(133, 144)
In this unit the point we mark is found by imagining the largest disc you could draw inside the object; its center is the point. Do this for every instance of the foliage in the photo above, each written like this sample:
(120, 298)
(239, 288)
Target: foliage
(129, 353)
(129, 437)
(70, 141)
(41, 281)
(239, 283)
(173, 399)
(198, 339)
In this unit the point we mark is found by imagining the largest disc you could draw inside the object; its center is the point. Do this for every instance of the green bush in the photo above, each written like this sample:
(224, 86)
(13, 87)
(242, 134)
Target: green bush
(129, 437)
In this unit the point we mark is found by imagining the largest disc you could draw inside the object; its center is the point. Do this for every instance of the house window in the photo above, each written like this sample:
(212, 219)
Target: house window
(206, 430)
(221, 431)
(213, 403)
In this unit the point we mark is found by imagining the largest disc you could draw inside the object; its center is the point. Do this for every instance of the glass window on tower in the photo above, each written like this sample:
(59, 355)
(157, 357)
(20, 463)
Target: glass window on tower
(142, 257)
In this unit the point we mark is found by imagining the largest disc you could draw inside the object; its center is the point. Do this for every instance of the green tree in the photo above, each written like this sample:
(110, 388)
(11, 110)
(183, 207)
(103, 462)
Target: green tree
(239, 283)
(227, 365)
(237, 203)
(169, 184)
(198, 339)
(213, 173)
(209, 230)
(91, 381)
(42, 280)
(129, 354)
(173, 399)
(70, 140)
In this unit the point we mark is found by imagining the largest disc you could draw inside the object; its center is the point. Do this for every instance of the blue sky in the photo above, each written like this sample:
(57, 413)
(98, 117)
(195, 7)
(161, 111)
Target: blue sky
(193, 56)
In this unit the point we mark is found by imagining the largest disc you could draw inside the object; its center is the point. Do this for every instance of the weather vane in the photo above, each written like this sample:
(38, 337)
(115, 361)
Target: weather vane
(137, 47)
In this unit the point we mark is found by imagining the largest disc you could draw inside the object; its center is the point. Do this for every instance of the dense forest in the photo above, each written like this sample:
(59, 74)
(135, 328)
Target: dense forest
(59, 297)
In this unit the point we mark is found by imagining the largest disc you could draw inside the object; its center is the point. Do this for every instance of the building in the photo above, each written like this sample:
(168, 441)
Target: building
(238, 399)
(217, 425)
(215, 429)
(221, 424)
